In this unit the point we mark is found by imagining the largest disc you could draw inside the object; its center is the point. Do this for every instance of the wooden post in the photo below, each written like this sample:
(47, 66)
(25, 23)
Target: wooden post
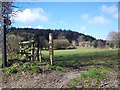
(40, 54)
(22, 51)
(38, 51)
(4, 56)
(32, 51)
(20, 48)
(51, 48)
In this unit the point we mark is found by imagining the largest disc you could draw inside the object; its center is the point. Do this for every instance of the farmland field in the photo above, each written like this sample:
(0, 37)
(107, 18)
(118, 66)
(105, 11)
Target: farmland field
(77, 58)
(80, 68)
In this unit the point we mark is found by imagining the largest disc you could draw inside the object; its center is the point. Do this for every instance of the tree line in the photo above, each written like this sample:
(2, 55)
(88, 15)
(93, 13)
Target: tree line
(63, 39)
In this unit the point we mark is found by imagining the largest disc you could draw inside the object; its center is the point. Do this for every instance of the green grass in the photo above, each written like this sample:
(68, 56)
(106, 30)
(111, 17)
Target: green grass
(94, 73)
(76, 58)
(97, 74)
(35, 69)
(72, 83)
(30, 67)
(27, 67)
(59, 68)
(11, 70)
(49, 67)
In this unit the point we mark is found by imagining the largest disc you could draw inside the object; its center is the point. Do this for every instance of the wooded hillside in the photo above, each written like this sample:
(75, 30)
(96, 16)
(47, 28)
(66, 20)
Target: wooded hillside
(57, 34)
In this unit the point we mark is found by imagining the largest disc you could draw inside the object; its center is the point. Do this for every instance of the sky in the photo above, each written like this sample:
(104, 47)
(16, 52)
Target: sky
(96, 19)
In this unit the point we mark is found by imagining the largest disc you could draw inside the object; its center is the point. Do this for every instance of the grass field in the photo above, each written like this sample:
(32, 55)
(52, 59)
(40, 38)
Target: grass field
(77, 58)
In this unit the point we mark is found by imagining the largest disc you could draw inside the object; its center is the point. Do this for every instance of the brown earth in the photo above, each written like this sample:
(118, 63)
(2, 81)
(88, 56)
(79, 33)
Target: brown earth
(49, 79)
(53, 79)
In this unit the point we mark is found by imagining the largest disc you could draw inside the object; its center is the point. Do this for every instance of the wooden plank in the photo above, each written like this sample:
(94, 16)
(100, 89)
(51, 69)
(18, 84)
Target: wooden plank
(30, 55)
(24, 53)
(26, 42)
(26, 49)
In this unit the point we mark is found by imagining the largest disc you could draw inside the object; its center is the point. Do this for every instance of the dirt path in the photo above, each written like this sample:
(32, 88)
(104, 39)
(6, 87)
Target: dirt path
(53, 79)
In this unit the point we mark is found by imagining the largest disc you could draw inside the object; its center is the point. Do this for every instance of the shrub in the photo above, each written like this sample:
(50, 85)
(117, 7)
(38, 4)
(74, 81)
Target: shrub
(71, 47)
(95, 44)
(35, 69)
(74, 43)
(12, 43)
(94, 73)
(101, 43)
(39, 63)
(82, 44)
(113, 38)
(61, 43)
(72, 83)
(30, 67)
(24, 68)
(49, 67)
(88, 44)
(59, 68)
(81, 38)
(11, 70)
(46, 44)
(29, 64)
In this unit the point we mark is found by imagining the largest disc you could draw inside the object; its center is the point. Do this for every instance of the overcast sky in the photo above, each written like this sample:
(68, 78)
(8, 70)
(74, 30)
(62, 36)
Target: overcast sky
(91, 18)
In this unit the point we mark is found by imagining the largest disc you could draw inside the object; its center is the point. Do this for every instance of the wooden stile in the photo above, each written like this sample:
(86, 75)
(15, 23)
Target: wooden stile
(35, 52)
(27, 51)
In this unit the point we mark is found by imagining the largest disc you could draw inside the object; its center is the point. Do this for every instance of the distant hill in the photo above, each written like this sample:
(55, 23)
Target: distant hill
(57, 34)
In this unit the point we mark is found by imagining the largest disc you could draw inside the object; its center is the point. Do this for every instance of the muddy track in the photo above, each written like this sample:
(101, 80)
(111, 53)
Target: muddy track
(53, 79)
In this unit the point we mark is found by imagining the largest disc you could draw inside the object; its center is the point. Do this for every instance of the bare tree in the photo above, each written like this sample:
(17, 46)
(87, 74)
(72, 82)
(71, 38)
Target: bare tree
(113, 38)
(7, 11)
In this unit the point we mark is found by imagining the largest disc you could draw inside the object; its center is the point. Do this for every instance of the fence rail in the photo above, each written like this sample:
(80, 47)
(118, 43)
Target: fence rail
(26, 42)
